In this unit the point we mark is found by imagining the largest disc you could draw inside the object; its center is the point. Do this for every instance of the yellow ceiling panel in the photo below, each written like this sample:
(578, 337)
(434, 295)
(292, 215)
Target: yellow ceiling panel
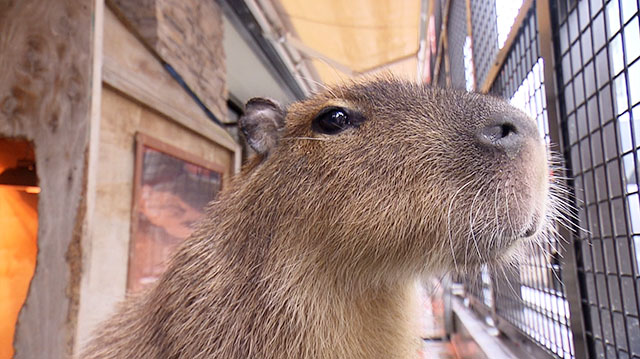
(361, 34)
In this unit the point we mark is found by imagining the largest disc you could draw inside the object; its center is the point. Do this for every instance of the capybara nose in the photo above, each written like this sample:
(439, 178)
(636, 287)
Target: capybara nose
(507, 133)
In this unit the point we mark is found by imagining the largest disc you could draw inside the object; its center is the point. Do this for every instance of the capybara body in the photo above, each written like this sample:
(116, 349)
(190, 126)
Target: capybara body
(354, 195)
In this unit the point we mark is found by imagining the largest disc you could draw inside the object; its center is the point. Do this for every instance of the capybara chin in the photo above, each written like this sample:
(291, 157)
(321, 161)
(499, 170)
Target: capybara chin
(354, 195)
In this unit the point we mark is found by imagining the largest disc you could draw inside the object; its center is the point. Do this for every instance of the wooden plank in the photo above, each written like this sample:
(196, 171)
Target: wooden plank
(81, 245)
(504, 51)
(130, 68)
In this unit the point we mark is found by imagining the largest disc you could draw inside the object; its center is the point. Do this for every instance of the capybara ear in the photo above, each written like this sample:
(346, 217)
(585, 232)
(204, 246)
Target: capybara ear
(262, 124)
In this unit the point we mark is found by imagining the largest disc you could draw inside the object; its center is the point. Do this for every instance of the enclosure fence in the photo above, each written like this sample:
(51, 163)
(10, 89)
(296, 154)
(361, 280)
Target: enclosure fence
(573, 66)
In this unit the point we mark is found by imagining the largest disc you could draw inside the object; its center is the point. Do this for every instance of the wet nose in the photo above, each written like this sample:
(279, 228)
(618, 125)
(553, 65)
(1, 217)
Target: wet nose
(507, 133)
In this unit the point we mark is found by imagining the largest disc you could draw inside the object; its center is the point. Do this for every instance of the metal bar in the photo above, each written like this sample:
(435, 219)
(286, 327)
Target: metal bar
(537, 274)
(541, 320)
(522, 342)
(569, 261)
(591, 117)
(494, 298)
(311, 52)
(267, 33)
(635, 144)
(447, 63)
(281, 22)
(470, 37)
(386, 64)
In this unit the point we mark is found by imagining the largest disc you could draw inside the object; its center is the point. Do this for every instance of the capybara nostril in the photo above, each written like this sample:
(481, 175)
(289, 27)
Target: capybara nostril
(507, 134)
(498, 132)
(504, 136)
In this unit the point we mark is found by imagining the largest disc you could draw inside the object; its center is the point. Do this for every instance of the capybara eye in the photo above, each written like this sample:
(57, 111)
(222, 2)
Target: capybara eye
(331, 121)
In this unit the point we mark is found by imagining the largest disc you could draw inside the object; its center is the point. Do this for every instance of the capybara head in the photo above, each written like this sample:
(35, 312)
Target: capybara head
(393, 176)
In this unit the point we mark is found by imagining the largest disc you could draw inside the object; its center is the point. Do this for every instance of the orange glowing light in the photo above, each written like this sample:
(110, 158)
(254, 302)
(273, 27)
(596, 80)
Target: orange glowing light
(18, 251)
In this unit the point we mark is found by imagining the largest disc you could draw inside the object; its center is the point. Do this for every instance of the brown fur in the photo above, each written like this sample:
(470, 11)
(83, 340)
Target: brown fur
(314, 250)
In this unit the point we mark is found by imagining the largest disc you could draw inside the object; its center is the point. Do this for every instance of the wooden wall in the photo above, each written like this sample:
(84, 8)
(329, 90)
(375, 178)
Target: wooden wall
(187, 34)
(81, 109)
(45, 94)
(138, 96)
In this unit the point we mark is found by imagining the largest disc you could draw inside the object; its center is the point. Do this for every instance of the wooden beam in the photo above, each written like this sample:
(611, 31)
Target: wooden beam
(47, 54)
(501, 57)
(130, 68)
(93, 163)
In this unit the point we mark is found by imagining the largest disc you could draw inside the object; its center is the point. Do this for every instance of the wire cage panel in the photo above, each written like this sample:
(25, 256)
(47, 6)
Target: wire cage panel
(531, 298)
(596, 71)
(597, 45)
(456, 36)
(485, 37)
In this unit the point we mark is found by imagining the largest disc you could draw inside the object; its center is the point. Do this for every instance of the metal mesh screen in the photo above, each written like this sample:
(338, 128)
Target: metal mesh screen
(523, 56)
(597, 56)
(533, 298)
(480, 288)
(456, 35)
(485, 37)
(597, 49)
(530, 299)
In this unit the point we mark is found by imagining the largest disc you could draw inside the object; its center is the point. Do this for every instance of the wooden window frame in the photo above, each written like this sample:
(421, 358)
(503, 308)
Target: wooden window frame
(141, 141)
